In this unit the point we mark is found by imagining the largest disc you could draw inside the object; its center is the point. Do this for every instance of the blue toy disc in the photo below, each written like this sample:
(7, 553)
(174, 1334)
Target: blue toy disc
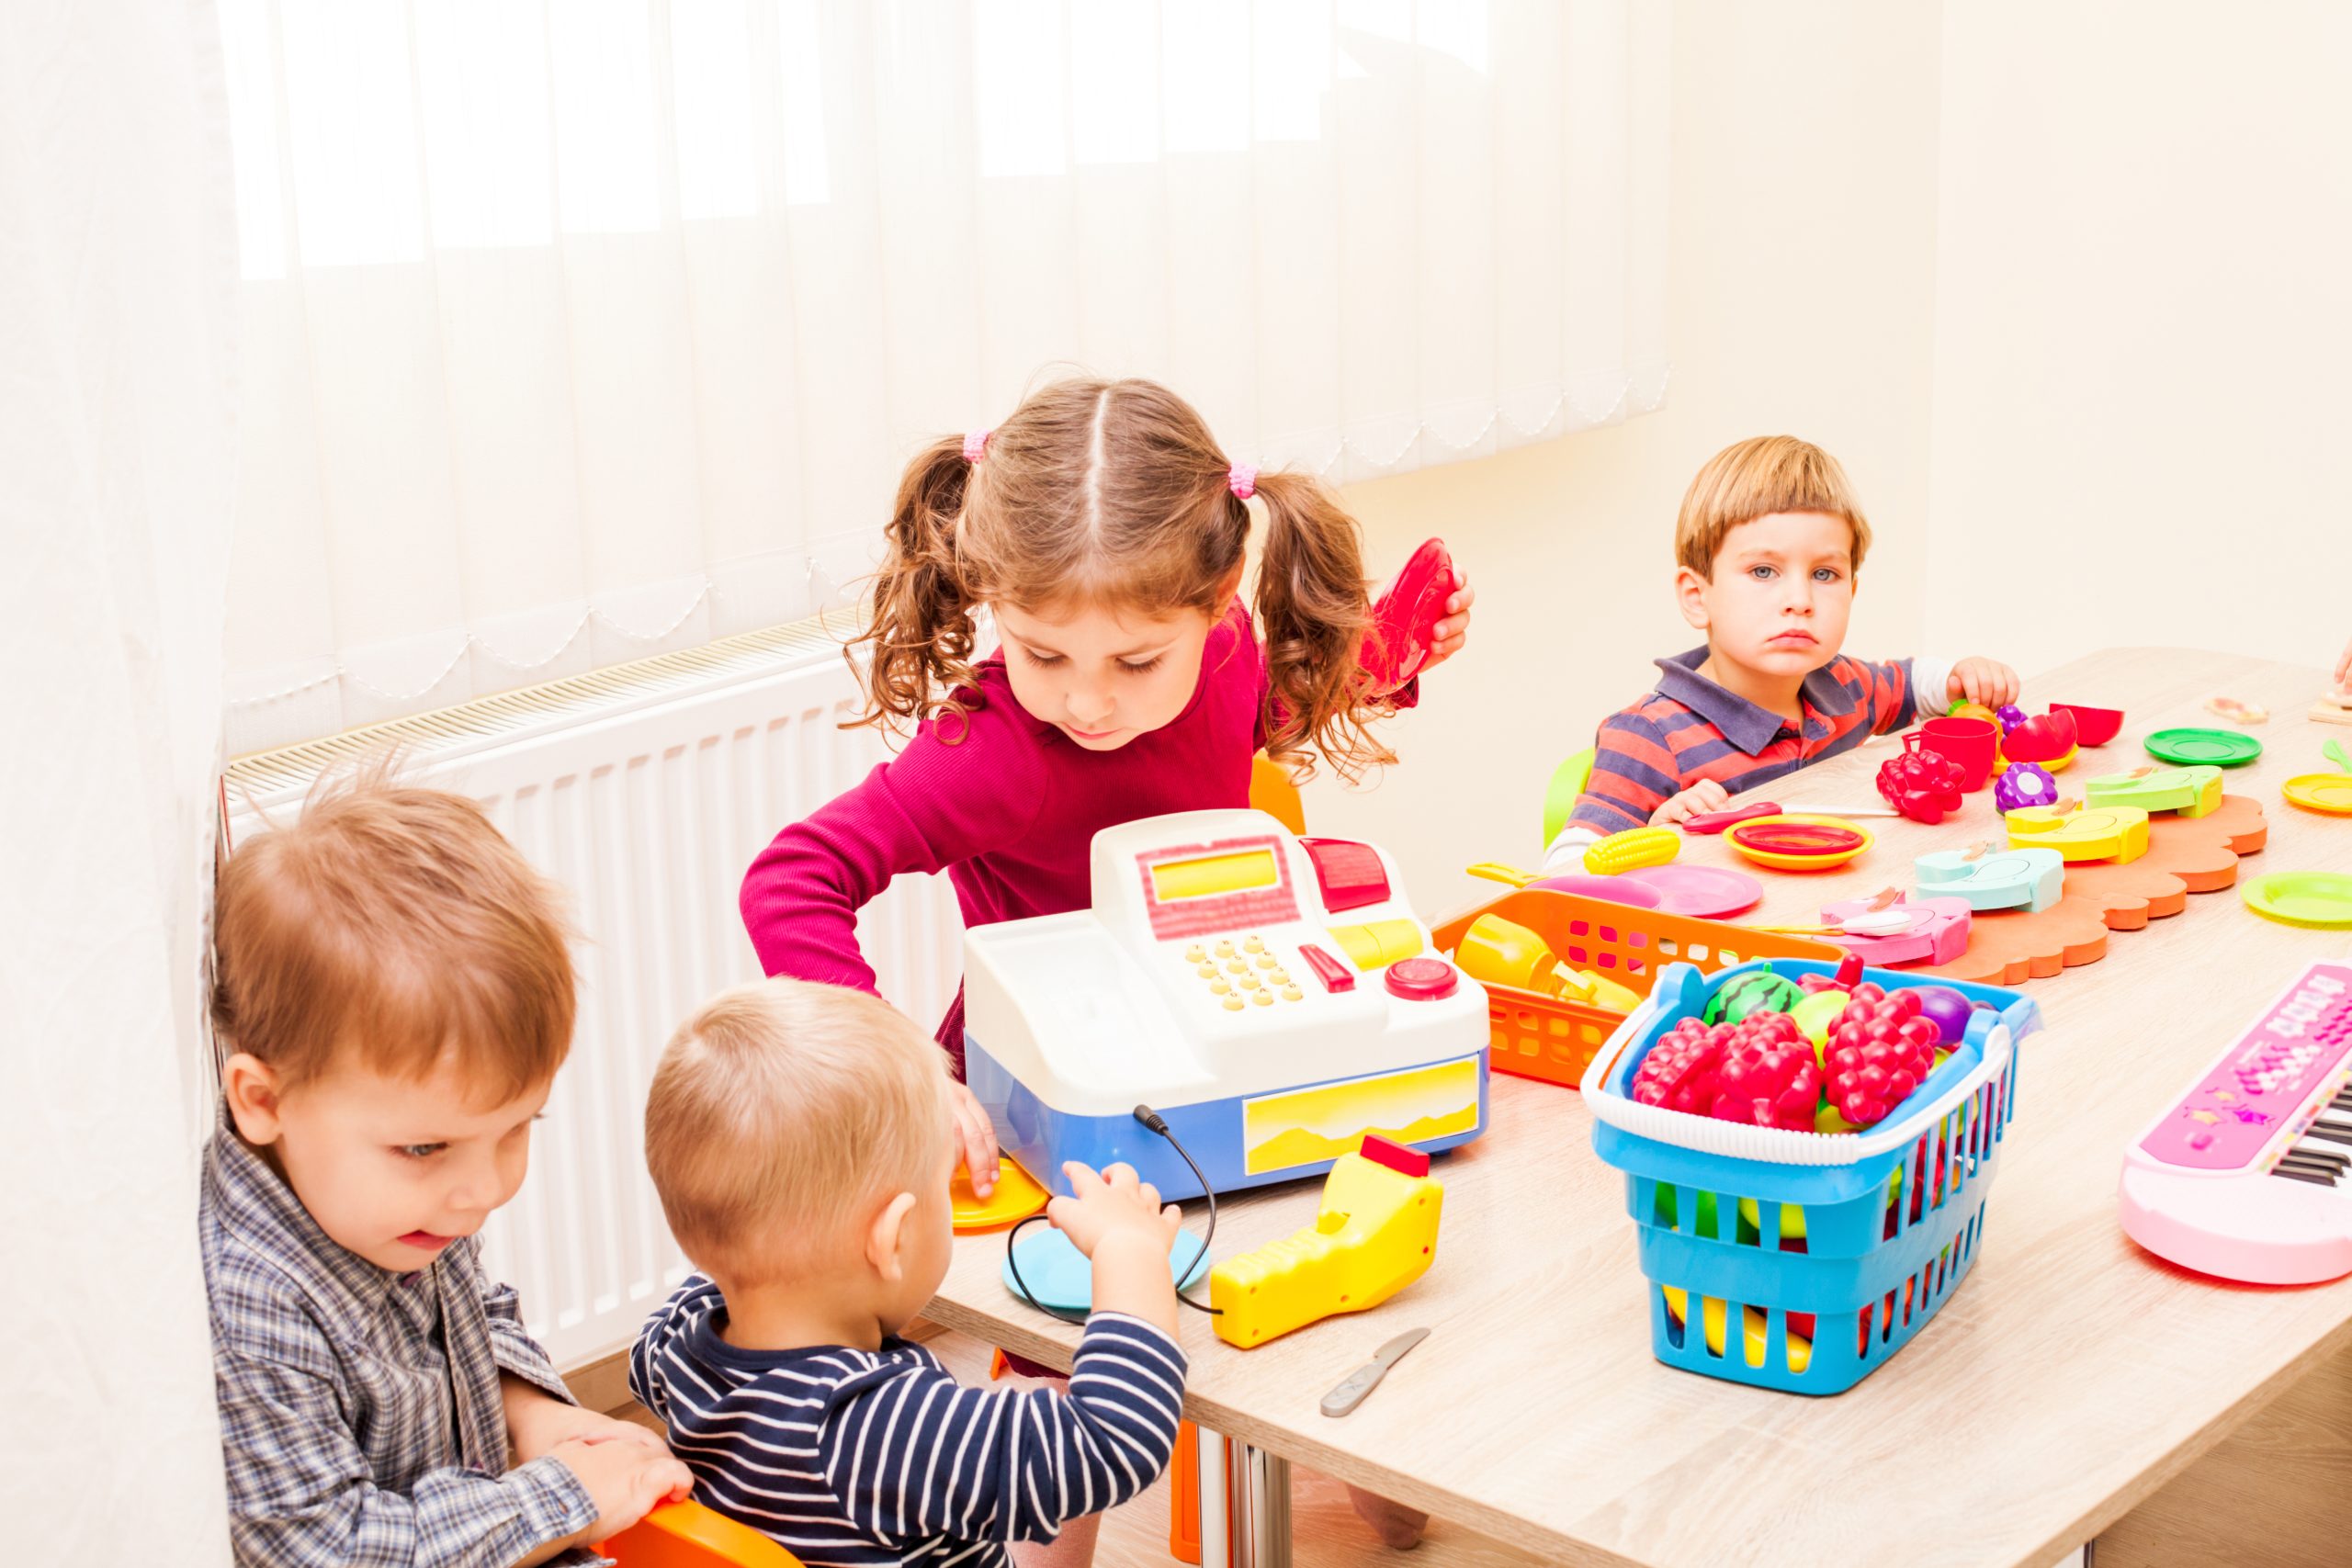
(1062, 1280)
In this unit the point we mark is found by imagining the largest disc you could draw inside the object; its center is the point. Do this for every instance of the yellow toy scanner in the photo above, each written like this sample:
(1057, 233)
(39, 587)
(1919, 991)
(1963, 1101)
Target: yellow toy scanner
(1376, 1235)
(1273, 998)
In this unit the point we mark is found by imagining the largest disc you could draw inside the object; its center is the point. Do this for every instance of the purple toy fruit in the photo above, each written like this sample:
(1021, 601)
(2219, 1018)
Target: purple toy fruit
(2011, 715)
(2024, 784)
(1947, 1009)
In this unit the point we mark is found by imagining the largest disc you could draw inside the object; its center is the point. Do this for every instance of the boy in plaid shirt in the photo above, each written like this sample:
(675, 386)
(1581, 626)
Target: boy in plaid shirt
(1768, 548)
(393, 983)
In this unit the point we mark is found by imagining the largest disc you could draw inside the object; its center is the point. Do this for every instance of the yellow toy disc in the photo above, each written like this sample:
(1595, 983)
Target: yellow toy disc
(1015, 1199)
(2321, 792)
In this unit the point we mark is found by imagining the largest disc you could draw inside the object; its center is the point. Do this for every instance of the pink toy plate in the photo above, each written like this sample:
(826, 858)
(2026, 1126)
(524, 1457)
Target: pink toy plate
(1701, 892)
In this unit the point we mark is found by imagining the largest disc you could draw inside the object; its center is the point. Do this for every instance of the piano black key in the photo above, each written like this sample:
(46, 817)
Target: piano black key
(2332, 1134)
(2304, 1176)
(2311, 1154)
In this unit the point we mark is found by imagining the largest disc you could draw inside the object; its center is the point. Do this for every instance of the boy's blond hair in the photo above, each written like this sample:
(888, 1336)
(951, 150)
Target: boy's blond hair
(392, 927)
(1757, 478)
(778, 1112)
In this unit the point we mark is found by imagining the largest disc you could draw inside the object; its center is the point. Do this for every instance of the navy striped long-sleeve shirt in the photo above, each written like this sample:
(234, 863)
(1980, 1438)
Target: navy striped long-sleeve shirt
(867, 1457)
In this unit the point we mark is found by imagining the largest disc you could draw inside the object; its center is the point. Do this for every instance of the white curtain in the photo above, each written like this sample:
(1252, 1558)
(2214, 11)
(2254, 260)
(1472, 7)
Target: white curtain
(118, 338)
(581, 330)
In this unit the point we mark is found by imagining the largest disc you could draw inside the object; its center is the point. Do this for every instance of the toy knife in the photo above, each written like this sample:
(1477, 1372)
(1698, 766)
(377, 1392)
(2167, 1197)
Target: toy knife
(1364, 1379)
(1716, 821)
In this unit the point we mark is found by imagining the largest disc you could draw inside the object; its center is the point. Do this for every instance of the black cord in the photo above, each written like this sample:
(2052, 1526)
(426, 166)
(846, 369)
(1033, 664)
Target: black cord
(1157, 1123)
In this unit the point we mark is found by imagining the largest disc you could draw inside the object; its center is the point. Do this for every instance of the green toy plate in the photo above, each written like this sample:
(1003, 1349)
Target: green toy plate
(2301, 898)
(2187, 748)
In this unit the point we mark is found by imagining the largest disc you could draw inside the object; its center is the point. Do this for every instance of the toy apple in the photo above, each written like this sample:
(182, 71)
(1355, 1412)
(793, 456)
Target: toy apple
(2042, 739)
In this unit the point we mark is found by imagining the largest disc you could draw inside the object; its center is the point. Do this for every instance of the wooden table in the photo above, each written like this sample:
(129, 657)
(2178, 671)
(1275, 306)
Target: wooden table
(2069, 1376)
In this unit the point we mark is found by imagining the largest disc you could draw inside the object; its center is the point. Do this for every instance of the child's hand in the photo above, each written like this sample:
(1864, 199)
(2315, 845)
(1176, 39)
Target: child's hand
(975, 1138)
(1986, 681)
(1697, 801)
(1107, 1204)
(2343, 668)
(1448, 635)
(625, 1481)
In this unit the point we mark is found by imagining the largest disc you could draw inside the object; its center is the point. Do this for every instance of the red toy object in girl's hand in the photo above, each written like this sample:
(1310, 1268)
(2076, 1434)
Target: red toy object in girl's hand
(1879, 1051)
(1405, 621)
(1922, 784)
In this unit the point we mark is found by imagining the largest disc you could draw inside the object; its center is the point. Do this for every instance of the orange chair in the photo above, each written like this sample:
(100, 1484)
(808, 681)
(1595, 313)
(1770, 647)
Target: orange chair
(687, 1535)
(1271, 792)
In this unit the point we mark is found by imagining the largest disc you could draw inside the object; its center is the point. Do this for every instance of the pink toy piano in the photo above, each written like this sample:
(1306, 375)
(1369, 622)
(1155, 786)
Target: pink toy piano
(2245, 1174)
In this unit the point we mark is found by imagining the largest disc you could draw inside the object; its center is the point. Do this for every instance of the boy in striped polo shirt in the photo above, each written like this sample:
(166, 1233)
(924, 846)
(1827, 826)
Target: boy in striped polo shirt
(799, 1136)
(1768, 548)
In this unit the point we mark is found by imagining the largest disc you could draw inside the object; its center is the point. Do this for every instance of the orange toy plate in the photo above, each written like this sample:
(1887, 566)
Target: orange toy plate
(2186, 854)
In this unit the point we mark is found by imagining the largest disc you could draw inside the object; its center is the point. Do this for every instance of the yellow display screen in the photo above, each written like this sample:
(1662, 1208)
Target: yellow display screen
(1211, 874)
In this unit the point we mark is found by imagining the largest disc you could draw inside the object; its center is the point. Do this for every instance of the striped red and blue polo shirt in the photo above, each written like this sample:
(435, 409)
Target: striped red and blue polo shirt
(1690, 729)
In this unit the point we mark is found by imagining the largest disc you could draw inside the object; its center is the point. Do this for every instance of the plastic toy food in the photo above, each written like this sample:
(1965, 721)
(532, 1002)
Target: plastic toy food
(2022, 784)
(1923, 785)
(1879, 1052)
(1769, 1076)
(2043, 740)
(2093, 727)
(2008, 715)
(1847, 975)
(1374, 1235)
(1631, 850)
(1760, 991)
(1817, 1014)
(1947, 1009)
(1761, 1072)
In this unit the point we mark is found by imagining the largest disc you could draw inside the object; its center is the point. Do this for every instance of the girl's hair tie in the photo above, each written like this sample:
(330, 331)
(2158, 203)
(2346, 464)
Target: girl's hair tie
(1241, 480)
(975, 445)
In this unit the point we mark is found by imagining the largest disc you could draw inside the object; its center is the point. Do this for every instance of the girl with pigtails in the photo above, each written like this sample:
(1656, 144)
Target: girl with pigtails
(1104, 532)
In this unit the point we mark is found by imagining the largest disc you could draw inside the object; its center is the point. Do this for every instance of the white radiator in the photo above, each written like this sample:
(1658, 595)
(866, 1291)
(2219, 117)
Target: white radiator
(646, 790)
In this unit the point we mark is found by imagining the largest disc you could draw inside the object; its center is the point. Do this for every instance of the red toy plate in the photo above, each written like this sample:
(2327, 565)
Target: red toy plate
(1798, 838)
(1405, 621)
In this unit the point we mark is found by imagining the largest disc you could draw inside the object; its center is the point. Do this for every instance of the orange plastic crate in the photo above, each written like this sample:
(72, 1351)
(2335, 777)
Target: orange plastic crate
(1537, 1036)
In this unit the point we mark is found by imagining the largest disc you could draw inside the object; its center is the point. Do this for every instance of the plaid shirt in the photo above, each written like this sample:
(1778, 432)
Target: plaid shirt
(1690, 729)
(361, 1408)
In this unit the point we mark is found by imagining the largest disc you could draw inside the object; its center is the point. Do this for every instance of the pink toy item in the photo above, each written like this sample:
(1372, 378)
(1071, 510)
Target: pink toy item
(2243, 1176)
(1410, 613)
(1937, 932)
(1701, 892)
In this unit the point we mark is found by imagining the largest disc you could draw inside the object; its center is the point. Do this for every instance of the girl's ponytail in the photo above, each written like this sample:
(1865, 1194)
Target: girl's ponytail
(1314, 610)
(922, 626)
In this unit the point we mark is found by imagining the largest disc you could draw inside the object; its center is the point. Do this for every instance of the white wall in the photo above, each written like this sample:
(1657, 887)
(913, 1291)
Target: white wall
(1800, 301)
(2143, 344)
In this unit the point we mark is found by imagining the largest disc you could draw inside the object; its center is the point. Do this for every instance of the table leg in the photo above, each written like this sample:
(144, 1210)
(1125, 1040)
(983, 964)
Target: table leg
(1260, 1489)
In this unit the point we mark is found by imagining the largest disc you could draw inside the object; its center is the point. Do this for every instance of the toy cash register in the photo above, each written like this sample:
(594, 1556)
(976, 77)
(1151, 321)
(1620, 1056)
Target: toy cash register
(1271, 996)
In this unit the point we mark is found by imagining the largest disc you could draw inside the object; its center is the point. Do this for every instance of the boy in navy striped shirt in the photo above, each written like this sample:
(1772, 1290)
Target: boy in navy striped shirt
(800, 1138)
(1768, 550)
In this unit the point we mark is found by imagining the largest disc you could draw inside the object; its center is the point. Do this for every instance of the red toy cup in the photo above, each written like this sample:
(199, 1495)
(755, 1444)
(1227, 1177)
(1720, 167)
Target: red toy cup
(2093, 727)
(1971, 742)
